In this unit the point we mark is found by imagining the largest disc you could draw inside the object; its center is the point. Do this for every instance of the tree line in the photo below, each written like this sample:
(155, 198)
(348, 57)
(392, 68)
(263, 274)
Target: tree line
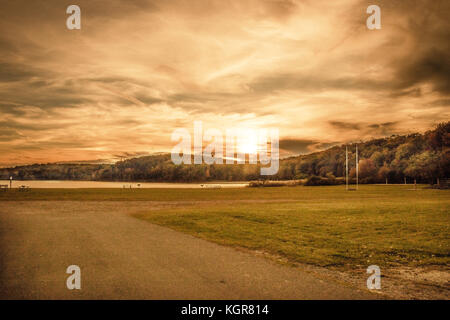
(424, 157)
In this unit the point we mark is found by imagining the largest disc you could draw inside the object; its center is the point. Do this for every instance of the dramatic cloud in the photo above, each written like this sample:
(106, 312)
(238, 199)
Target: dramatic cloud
(138, 69)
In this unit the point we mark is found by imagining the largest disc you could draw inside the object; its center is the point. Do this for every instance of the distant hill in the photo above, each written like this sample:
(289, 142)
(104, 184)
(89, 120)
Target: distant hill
(424, 157)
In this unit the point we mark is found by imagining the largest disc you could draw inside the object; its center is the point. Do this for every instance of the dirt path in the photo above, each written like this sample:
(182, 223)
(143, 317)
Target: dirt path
(125, 258)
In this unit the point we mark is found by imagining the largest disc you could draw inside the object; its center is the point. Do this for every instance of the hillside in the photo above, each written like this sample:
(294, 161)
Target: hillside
(424, 157)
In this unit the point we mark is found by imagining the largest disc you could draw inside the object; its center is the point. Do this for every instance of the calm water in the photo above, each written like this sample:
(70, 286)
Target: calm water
(105, 184)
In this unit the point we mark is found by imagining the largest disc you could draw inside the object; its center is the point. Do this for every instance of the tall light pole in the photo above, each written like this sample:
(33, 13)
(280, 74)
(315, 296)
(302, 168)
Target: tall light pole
(10, 182)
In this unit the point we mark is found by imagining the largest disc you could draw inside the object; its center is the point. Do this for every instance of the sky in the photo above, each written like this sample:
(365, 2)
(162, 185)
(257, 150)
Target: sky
(137, 70)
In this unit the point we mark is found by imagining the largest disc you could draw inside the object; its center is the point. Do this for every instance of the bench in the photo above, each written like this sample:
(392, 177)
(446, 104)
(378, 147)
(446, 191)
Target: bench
(24, 188)
(4, 187)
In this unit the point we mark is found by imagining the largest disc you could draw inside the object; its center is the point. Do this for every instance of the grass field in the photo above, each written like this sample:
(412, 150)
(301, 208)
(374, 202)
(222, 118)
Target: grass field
(325, 226)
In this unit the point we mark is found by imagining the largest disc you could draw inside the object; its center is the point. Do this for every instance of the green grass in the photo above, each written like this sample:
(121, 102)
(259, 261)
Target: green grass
(326, 226)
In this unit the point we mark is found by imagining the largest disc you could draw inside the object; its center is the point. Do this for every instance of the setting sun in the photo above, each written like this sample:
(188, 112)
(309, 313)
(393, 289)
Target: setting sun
(248, 148)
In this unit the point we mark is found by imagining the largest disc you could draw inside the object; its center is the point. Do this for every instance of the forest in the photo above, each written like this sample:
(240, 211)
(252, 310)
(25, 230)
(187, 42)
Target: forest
(395, 159)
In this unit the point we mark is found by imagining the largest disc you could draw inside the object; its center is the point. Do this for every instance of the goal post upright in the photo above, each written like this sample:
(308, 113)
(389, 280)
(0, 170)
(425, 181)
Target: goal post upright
(357, 167)
(346, 167)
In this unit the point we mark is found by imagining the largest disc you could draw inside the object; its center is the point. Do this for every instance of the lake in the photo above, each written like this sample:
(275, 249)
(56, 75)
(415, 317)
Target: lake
(107, 184)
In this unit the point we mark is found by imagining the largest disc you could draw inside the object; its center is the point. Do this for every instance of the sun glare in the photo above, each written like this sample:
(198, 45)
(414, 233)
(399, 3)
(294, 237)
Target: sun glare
(248, 148)
(247, 142)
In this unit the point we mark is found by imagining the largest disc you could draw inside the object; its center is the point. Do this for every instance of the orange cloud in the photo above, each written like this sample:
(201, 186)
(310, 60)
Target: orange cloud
(139, 69)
